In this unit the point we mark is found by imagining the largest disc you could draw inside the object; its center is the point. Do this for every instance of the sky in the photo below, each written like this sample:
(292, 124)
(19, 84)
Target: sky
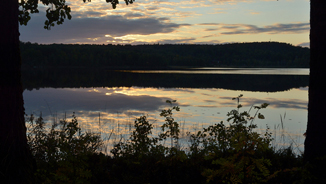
(176, 22)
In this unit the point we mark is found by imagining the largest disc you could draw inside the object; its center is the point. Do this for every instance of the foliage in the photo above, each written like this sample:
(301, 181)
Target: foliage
(236, 150)
(172, 126)
(139, 145)
(143, 152)
(57, 10)
(61, 152)
(220, 153)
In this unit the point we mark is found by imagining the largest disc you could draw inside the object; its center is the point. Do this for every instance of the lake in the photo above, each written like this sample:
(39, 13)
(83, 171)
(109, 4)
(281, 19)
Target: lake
(109, 101)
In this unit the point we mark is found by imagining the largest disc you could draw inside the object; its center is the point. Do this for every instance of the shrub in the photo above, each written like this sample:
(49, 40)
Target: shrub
(235, 151)
(221, 153)
(61, 152)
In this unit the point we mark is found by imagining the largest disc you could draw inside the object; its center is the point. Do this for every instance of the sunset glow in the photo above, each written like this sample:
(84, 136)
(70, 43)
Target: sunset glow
(176, 21)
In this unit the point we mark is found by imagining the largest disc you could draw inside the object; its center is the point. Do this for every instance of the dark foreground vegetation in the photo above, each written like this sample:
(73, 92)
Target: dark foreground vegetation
(222, 153)
(264, 54)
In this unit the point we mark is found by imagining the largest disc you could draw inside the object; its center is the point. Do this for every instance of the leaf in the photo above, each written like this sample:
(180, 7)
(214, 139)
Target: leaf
(260, 116)
(264, 105)
(257, 107)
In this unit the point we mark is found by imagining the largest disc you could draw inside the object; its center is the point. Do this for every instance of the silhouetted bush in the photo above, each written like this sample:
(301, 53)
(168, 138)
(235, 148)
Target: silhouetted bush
(221, 153)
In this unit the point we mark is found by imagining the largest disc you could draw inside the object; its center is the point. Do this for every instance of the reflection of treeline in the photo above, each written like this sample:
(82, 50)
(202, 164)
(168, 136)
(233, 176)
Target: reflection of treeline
(265, 54)
(34, 79)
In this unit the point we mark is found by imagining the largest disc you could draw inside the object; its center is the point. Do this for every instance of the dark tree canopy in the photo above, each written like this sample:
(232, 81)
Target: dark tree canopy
(163, 56)
(56, 12)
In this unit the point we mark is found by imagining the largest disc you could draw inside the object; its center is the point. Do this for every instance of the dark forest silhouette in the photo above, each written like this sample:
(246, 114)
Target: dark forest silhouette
(256, 54)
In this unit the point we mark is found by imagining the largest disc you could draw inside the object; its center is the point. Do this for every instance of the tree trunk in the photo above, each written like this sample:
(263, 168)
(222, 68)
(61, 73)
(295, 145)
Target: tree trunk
(315, 143)
(15, 157)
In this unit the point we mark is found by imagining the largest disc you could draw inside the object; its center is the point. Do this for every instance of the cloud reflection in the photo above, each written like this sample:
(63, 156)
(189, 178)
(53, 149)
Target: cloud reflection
(64, 100)
(115, 113)
(274, 103)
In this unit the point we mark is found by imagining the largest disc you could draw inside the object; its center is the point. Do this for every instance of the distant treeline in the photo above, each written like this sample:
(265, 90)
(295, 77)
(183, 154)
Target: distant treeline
(264, 54)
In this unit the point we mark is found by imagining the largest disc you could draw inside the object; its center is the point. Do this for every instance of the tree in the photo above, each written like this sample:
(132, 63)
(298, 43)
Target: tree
(315, 143)
(15, 158)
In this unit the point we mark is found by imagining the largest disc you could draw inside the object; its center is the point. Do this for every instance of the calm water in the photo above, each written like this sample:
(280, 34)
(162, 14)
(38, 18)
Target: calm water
(243, 71)
(114, 107)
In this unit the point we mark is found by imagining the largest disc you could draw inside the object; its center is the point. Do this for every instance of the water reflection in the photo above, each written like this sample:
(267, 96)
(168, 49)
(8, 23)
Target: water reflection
(117, 108)
(115, 100)
(242, 71)
(101, 78)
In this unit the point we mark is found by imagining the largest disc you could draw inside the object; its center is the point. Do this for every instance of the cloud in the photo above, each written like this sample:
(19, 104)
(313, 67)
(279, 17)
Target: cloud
(95, 28)
(304, 88)
(208, 36)
(210, 101)
(131, 15)
(211, 29)
(206, 106)
(163, 41)
(208, 24)
(231, 2)
(209, 42)
(175, 41)
(291, 28)
(234, 29)
(304, 44)
(152, 21)
(183, 90)
(254, 13)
